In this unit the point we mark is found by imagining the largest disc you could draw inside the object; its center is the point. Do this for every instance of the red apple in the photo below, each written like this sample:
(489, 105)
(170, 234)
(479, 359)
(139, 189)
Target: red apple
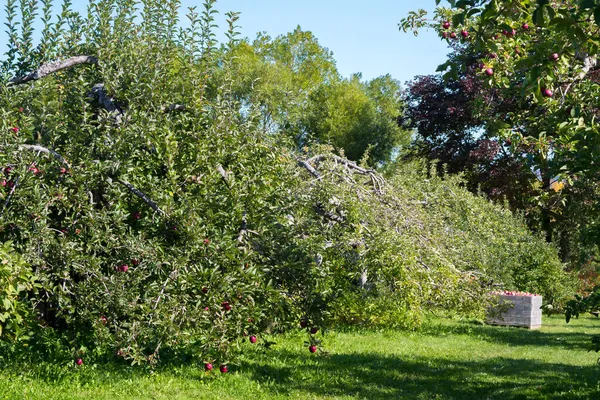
(446, 24)
(223, 368)
(204, 290)
(103, 320)
(253, 339)
(15, 129)
(79, 361)
(452, 35)
(554, 57)
(303, 324)
(314, 330)
(489, 72)
(547, 93)
(208, 367)
(464, 33)
(206, 241)
(312, 349)
(124, 268)
(445, 35)
(525, 26)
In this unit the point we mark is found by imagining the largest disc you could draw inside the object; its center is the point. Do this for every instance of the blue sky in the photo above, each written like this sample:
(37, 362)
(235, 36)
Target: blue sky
(363, 35)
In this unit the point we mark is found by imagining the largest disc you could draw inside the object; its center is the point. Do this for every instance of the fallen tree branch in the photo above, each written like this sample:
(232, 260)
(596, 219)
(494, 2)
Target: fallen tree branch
(142, 196)
(329, 215)
(173, 107)
(309, 168)
(53, 67)
(107, 102)
(344, 161)
(45, 150)
(243, 228)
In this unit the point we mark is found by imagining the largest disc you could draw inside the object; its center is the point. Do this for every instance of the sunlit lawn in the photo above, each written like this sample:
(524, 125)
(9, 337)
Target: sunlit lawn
(447, 360)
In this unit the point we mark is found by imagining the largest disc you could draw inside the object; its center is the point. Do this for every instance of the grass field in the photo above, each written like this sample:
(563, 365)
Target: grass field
(447, 360)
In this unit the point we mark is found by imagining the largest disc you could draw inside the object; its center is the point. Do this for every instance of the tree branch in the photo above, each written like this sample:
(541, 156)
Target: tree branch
(52, 67)
(107, 102)
(142, 196)
(243, 228)
(173, 107)
(309, 168)
(45, 150)
(350, 164)
(329, 215)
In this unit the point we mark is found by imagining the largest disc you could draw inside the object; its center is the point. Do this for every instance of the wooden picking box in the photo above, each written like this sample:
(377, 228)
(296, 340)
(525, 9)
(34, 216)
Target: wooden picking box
(517, 310)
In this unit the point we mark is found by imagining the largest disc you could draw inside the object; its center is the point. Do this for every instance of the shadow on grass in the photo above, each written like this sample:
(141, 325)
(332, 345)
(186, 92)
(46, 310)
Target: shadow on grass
(370, 375)
(374, 376)
(514, 336)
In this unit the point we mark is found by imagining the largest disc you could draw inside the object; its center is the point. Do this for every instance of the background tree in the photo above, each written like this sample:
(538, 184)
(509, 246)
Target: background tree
(294, 82)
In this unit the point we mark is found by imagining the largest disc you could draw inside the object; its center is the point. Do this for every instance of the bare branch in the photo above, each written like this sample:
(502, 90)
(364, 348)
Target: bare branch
(224, 174)
(52, 67)
(45, 150)
(243, 228)
(172, 275)
(309, 168)
(107, 102)
(329, 215)
(174, 107)
(142, 196)
(344, 161)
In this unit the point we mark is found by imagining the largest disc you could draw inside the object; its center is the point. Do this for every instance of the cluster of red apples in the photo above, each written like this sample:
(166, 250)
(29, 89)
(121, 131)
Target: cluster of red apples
(489, 71)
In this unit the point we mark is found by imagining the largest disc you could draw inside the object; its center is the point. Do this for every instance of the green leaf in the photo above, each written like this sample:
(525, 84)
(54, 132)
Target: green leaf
(585, 4)
(597, 15)
(538, 17)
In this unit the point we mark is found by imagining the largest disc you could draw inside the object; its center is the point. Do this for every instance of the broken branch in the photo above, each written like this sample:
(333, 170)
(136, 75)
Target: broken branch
(52, 67)
(45, 150)
(142, 196)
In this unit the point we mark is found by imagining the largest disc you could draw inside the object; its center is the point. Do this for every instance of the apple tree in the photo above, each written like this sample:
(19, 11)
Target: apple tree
(536, 64)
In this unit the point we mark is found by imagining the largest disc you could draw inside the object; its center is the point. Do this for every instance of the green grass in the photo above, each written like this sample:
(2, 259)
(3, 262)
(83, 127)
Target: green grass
(447, 360)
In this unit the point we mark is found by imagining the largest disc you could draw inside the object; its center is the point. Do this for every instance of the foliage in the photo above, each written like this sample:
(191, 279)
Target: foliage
(16, 280)
(359, 118)
(505, 252)
(294, 83)
(533, 67)
(160, 218)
